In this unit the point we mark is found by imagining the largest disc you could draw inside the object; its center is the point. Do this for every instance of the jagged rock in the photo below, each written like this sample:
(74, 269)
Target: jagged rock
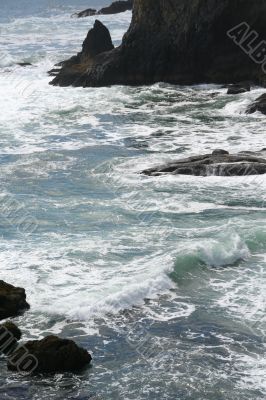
(53, 355)
(97, 42)
(258, 105)
(12, 300)
(239, 88)
(220, 163)
(179, 42)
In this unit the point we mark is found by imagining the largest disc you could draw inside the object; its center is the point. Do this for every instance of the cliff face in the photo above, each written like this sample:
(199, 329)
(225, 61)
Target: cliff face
(178, 41)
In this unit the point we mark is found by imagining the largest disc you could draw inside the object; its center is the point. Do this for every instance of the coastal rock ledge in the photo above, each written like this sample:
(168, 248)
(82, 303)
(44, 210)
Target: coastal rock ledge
(219, 163)
(179, 42)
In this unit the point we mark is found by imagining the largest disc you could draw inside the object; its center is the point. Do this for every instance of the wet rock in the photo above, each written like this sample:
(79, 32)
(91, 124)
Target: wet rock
(171, 41)
(24, 64)
(219, 163)
(12, 300)
(9, 336)
(258, 105)
(86, 13)
(97, 42)
(239, 88)
(117, 7)
(53, 355)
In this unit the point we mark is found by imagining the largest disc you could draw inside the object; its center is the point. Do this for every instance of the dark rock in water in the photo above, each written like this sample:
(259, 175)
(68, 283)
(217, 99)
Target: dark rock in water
(179, 42)
(219, 163)
(117, 7)
(12, 300)
(53, 355)
(239, 88)
(9, 335)
(24, 64)
(97, 42)
(86, 13)
(258, 105)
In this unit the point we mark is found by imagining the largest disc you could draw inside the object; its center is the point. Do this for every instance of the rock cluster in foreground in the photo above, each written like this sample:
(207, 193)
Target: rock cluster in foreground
(51, 354)
(219, 163)
(179, 42)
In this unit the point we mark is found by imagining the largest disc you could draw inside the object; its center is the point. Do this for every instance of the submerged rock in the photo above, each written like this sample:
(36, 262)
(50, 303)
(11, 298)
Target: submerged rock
(172, 40)
(220, 163)
(12, 300)
(52, 354)
(258, 105)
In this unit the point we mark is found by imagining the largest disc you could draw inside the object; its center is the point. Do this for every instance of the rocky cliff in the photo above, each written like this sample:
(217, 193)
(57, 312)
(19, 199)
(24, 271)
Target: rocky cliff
(178, 41)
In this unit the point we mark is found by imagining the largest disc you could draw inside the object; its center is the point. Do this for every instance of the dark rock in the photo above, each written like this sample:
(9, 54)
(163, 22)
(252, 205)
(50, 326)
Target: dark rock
(12, 300)
(219, 163)
(239, 88)
(24, 64)
(117, 7)
(97, 42)
(179, 42)
(12, 328)
(86, 13)
(258, 105)
(53, 355)
(54, 71)
(9, 335)
(218, 152)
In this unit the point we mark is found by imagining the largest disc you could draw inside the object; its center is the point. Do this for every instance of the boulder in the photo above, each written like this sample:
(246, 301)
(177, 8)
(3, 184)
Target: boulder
(9, 336)
(12, 300)
(239, 88)
(86, 13)
(117, 7)
(258, 105)
(219, 163)
(53, 355)
(178, 42)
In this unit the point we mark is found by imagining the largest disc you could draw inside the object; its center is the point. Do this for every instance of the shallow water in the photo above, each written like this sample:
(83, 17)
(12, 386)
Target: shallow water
(161, 278)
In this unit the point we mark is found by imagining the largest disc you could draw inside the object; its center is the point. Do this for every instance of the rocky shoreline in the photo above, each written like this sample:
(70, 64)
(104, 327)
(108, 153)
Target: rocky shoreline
(163, 45)
(115, 8)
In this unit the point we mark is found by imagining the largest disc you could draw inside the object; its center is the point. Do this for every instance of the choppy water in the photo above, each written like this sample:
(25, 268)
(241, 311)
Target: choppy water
(162, 278)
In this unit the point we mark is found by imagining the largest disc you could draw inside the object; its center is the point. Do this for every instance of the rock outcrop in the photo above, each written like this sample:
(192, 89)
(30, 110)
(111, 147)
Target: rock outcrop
(10, 334)
(52, 354)
(115, 8)
(258, 105)
(219, 163)
(239, 88)
(12, 300)
(179, 42)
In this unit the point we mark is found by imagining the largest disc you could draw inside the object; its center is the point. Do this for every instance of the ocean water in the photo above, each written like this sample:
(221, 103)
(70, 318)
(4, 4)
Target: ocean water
(162, 279)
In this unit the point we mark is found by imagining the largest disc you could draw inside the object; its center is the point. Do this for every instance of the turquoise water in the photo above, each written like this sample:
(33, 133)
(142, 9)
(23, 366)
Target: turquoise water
(162, 278)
